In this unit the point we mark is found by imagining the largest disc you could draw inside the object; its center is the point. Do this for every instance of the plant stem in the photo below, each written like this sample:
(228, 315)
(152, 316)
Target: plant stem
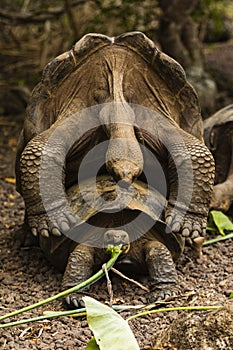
(218, 239)
(71, 313)
(181, 308)
(76, 313)
(92, 279)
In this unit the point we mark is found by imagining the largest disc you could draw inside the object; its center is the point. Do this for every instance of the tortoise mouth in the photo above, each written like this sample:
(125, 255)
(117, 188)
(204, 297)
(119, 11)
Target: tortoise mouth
(116, 237)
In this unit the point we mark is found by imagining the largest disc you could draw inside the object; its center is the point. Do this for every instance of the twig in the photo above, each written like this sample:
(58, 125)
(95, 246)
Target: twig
(129, 279)
(109, 284)
(24, 332)
(197, 245)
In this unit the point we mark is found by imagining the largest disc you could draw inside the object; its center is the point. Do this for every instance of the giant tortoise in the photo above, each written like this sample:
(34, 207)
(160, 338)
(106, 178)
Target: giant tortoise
(125, 94)
(109, 214)
(218, 134)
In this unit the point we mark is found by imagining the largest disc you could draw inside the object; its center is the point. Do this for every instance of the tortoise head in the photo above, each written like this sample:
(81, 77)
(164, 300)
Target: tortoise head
(117, 237)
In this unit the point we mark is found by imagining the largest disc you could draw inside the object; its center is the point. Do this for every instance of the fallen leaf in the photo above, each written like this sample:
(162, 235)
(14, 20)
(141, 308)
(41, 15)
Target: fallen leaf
(10, 180)
(111, 331)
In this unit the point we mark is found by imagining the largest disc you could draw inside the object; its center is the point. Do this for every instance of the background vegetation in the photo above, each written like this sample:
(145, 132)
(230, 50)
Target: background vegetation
(33, 32)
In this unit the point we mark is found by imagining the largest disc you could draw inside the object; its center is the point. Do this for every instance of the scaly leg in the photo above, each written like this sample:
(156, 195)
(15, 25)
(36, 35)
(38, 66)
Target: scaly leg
(79, 268)
(161, 270)
(190, 180)
(42, 186)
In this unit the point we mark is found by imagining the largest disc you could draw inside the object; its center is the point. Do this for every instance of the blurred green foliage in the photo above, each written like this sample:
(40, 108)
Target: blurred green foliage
(32, 32)
(214, 15)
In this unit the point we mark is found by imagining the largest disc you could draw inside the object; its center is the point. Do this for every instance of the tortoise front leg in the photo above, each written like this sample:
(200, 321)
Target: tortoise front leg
(162, 271)
(190, 177)
(79, 268)
(42, 186)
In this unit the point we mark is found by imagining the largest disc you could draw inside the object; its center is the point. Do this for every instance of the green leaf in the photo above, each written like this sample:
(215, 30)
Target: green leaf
(219, 222)
(231, 295)
(92, 345)
(111, 331)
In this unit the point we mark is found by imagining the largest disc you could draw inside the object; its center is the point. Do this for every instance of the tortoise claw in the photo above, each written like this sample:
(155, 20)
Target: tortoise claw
(55, 223)
(34, 231)
(163, 292)
(44, 233)
(190, 226)
(55, 231)
(74, 301)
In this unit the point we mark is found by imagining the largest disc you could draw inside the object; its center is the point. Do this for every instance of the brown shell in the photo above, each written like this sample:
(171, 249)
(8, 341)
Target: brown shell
(224, 115)
(212, 126)
(93, 199)
(179, 100)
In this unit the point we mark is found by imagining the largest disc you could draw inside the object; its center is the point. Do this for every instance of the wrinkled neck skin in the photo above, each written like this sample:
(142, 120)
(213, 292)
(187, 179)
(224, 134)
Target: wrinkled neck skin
(124, 158)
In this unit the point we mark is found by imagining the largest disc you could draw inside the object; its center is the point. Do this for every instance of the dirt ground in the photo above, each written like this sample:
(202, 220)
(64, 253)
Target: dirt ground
(26, 277)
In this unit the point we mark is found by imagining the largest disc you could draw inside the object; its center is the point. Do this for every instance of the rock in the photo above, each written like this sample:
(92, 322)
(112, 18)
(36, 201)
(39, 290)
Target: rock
(211, 330)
